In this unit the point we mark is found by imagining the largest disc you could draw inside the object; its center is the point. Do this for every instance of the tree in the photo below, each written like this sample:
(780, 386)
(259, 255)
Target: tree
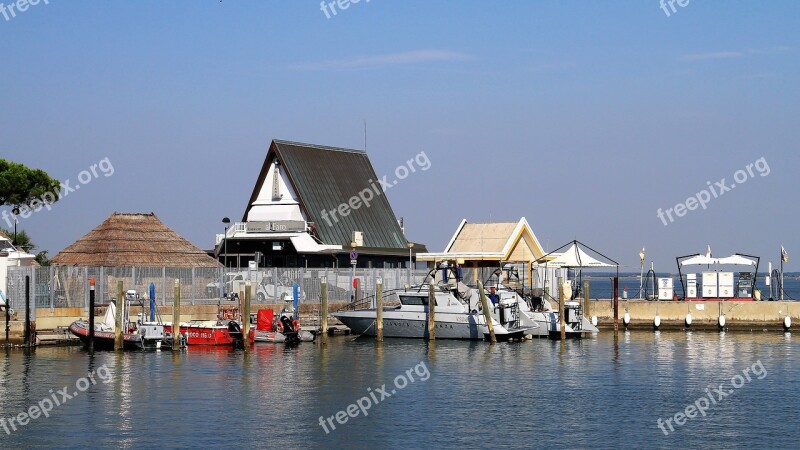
(25, 243)
(23, 240)
(42, 258)
(23, 186)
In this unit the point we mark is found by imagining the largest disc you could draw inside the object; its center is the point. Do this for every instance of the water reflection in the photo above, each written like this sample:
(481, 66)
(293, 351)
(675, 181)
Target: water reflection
(215, 397)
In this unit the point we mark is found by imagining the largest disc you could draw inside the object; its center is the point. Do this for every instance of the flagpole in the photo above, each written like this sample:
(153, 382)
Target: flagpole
(781, 276)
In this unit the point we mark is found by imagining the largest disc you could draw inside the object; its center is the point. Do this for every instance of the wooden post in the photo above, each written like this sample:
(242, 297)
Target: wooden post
(27, 311)
(379, 309)
(324, 310)
(616, 304)
(562, 310)
(248, 295)
(176, 316)
(431, 312)
(587, 306)
(119, 342)
(487, 313)
(91, 315)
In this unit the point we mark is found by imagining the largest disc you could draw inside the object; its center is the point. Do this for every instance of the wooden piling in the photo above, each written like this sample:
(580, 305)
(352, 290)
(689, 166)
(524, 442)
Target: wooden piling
(431, 312)
(379, 309)
(248, 296)
(27, 336)
(616, 304)
(562, 309)
(91, 315)
(176, 316)
(487, 313)
(324, 310)
(119, 342)
(587, 306)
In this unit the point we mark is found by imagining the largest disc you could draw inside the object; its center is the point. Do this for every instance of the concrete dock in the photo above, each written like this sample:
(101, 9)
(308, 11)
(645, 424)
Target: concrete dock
(762, 315)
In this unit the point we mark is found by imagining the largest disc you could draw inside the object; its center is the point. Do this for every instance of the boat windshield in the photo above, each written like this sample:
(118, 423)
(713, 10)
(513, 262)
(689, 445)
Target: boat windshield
(413, 300)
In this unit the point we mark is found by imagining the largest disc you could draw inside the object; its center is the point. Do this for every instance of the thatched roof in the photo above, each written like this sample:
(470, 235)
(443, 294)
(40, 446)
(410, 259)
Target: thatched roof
(126, 240)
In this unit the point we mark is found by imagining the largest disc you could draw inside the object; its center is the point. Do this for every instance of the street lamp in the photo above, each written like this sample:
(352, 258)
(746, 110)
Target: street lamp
(227, 222)
(16, 213)
(410, 246)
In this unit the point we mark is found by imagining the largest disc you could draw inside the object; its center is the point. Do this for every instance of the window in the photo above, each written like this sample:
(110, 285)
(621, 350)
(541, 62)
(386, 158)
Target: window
(413, 300)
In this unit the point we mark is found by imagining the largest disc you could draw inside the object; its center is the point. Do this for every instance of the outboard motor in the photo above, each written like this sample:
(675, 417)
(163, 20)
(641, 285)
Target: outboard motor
(289, 331)
(235, 331)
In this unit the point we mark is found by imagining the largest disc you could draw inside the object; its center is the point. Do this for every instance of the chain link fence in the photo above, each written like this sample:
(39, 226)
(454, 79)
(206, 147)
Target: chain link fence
(68, 287)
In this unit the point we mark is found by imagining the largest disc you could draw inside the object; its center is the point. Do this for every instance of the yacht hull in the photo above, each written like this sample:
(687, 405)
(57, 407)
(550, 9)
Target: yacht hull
(413, 325)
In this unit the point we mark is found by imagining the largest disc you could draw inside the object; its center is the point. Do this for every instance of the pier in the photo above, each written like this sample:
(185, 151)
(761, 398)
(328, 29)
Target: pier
(745, 316)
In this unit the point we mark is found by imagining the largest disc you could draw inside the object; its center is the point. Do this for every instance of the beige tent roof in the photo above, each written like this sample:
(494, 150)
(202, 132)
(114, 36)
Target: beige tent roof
(497, 241)
(126, 240)
(482, 237)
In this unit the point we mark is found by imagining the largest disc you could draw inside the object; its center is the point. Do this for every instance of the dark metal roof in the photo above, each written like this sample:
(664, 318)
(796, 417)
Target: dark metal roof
(325, 178)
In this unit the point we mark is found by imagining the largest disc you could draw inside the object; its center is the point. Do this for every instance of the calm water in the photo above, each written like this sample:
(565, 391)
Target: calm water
(599, 392)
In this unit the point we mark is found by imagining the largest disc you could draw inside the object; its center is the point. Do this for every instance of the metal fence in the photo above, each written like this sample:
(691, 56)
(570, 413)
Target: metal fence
(68, 287)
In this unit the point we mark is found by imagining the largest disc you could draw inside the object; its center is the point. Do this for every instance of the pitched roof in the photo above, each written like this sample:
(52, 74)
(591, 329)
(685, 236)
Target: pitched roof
(126, 240)
(497, 241)
(482, 237)
(325, 178)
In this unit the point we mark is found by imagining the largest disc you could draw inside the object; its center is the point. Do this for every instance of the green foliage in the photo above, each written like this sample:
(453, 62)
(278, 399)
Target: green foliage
(20, 185)
(42, 258)
(23, 239)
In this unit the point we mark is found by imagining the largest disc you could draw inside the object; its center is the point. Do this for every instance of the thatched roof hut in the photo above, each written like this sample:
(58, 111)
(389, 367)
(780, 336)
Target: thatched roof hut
(126, 240)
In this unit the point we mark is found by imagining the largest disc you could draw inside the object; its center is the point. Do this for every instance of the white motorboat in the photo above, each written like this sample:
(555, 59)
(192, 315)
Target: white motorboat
(454, 318)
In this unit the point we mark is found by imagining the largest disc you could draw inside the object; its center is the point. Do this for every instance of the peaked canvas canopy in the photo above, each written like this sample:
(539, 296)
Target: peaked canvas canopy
(734, 260)
(699, 260)
(575, 257)
(737, 260)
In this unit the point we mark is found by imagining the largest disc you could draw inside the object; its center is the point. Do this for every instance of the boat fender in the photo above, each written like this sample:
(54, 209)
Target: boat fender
(280, 327)
(626, 319)
(594, 321)
(657, 322)
(721, 322)
(787, 323)
(688, 320)
(296, 325)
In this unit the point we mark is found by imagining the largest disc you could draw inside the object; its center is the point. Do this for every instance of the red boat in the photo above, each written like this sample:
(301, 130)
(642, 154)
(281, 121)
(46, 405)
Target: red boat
(223, 331)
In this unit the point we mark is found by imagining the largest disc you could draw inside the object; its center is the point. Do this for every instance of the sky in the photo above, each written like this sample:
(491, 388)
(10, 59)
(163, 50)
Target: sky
(584, 117)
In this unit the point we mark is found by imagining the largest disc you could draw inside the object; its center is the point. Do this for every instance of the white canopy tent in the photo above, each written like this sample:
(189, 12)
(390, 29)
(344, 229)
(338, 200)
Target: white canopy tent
(733, 260)
(737, 259)
(574, 258)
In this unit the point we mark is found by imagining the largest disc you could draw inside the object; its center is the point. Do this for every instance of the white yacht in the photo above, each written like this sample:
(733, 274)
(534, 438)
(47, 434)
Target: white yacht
(457, 316)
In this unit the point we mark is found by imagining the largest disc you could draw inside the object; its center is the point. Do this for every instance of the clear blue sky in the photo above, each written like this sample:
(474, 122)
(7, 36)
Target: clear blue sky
(585, 117)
